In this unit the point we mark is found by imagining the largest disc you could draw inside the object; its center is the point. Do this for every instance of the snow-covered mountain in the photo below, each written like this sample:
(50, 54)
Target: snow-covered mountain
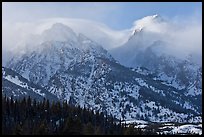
(149, 47)
(23, 34)
(13, 84)
(77, 69)
(54, 54)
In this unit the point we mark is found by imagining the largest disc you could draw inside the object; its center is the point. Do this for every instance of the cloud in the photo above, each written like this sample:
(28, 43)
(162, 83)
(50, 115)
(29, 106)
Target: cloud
(183, 36)
(24, 11)
(16, 35)
(21, 20)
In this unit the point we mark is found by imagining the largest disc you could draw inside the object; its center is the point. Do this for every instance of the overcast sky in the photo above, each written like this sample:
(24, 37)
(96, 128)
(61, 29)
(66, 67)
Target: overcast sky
(116, 15)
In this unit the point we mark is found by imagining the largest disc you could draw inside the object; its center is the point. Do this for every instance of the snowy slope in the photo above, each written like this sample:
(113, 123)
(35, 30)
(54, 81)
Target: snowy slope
(167, 128)
(77, 69)
(149, 47)
(15, 85)
(38, 65)
(188, 128)
(99, 84)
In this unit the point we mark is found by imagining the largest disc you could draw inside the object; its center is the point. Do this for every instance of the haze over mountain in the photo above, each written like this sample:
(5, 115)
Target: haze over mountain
(178, 35)
(73, 67)
(94, 66)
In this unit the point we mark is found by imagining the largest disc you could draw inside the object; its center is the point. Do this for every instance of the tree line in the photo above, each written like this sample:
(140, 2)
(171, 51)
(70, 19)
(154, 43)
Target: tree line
(31, 117)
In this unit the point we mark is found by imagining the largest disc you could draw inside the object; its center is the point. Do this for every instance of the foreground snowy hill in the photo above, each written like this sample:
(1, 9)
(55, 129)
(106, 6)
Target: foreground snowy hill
(167, 128)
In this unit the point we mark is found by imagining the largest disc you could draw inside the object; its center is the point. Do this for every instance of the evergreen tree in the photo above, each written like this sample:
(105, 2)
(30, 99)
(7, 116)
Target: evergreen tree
(31, 117)
(88, 129)
(17, 130)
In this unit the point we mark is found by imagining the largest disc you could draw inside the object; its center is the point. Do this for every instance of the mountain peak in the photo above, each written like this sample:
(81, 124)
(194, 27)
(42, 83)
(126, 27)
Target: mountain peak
(59, 25)
(155, 16)
(148, 22)
(59, 32)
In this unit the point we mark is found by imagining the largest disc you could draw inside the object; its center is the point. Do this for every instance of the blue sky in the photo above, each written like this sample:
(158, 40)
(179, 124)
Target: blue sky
(116, 15)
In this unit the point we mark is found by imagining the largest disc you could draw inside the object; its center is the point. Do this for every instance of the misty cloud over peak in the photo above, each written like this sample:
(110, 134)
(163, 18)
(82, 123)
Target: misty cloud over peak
(177, 36)
(17, 36)
(150, 22)
(59, 32)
